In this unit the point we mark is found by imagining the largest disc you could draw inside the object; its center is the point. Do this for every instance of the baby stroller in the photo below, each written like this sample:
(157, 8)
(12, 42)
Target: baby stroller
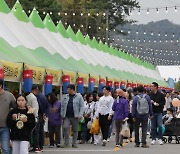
(172, 131)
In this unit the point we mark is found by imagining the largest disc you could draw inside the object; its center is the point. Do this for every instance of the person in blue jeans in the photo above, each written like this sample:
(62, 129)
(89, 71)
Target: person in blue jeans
(7, 101)
(158, 102)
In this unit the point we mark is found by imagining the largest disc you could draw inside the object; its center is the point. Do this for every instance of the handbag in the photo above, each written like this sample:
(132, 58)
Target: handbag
(125, 132)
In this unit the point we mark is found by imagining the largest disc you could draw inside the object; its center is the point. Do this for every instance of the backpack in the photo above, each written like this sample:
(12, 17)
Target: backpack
(142, 105)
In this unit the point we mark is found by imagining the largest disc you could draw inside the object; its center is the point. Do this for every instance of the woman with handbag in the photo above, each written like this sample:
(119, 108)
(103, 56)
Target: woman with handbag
(120, 108)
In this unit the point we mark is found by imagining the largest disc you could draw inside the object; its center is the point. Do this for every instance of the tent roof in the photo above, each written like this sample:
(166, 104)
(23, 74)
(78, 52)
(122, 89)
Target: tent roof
(19, 12)
(62, 30)
(36, 19)
(49, 24)
(80, 38)
(71, 34)
(4, 7)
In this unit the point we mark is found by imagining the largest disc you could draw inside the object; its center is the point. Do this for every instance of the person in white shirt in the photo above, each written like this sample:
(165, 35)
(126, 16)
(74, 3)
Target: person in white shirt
(105, 112)
(94, 107)
(32, 102)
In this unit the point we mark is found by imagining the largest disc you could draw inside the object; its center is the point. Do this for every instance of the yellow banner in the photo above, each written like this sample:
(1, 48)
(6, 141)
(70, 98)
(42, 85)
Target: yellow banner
(12, 71)
(57, 74)
(102, 77)
(73, 76)
(110, 79)
(96, 77)
(85, 76)
(38, 73)
(117, 80)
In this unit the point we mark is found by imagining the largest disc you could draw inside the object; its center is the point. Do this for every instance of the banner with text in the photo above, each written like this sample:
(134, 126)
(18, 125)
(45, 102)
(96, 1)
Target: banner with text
(12, 71)
(38, 73)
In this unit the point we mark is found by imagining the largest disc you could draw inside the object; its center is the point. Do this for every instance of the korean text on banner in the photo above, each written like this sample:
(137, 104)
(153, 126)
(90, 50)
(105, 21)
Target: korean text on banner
(38, 73)
(12, 71)
(57, 74)
(73, 76)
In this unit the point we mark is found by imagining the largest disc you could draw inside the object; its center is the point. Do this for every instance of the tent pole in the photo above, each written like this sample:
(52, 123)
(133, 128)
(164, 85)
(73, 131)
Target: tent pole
(60, 93)
(20, 87)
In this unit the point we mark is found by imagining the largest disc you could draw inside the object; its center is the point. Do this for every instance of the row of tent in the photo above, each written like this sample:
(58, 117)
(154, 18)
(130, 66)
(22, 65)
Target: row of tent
(30, 43)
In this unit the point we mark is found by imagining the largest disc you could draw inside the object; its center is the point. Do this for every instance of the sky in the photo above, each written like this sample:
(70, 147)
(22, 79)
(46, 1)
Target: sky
(171, 15)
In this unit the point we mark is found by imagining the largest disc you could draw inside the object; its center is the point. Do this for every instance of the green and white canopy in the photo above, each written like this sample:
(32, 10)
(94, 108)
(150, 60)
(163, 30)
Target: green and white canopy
(40, 43)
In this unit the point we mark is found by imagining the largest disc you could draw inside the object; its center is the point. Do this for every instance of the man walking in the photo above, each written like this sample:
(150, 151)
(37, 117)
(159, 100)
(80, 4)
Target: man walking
(7, 101)
(141, 110)
(158, 102)
(72, 109)
(32, 102)
(42, 114)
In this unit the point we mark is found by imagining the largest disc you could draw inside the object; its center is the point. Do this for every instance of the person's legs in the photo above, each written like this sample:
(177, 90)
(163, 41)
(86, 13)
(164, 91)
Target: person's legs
(84, 130)
(15, 147)
(107, 125)
(137, 123)
(36, 136)
(74, 122)
(24, 147)
(66, 128)
(51, 135)
(96, 139)
(159, 123)
(117, 124)
(153, 126)
(144, 123)
(121, 137)
(58, 134)
(102, 125)
(41, 134)
(5, 139)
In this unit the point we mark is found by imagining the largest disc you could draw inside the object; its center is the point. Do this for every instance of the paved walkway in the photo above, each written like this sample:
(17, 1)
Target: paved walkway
(129, 148)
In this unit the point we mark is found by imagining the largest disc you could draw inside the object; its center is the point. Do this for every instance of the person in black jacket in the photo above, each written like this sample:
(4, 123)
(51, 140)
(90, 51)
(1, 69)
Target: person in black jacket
(21, 121)
(158, 102)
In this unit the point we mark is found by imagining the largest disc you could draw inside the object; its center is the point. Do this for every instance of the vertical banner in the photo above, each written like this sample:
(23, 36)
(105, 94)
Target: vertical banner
(102, 82)
(80, 85)
(48, 84)
(123, 85)
(38, 73)
(96, 77)
(12, 71)
(73, 76)
(109, 83)
(85, 77)
(28, 80)
(116, 85)
(91, 84)
(65, 83)
(1, 73)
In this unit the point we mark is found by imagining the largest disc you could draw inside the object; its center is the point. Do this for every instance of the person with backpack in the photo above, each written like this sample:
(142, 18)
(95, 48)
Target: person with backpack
(141, 110)
(158, 102)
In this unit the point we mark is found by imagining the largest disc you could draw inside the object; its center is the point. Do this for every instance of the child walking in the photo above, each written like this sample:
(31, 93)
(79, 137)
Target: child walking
(21, 121)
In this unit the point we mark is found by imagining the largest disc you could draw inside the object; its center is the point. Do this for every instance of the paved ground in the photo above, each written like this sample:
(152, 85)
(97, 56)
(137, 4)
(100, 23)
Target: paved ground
(127, 149)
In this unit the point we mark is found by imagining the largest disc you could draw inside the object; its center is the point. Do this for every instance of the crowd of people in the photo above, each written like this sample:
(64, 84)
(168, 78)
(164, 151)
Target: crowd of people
(89, 118)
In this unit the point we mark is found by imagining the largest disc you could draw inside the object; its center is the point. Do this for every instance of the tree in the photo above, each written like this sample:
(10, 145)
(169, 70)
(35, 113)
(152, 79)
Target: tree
(46, 6)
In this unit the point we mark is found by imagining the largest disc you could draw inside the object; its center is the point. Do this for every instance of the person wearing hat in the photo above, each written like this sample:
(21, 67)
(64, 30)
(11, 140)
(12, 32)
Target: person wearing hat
(120, 108)
(7, 102)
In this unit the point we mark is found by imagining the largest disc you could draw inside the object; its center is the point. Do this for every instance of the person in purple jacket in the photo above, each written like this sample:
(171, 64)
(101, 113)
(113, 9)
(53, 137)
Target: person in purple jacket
(120, 108)
(54, 120)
